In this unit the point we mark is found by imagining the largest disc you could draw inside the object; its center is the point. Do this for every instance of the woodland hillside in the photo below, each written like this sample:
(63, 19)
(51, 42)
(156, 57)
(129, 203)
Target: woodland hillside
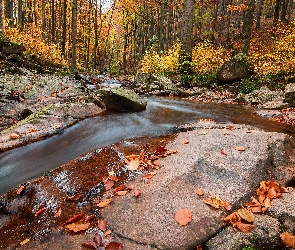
(152, 35)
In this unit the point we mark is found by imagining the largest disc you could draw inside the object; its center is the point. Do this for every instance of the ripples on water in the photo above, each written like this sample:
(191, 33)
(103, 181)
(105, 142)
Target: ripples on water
(162, 114)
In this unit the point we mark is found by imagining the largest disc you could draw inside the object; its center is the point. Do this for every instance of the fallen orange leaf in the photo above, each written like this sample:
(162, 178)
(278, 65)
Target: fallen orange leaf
(75, 218)
(224, 152)
(89, 217)
(132, 162)
(246, 214)
(137, 193)
(104, 203)
(108, 232)
(240, 148)
(214, 201)
(244, 227)
(122, 193)
(109, 184)
(40, 211)
(183, 216)
(114, 246)
(200, 192)
(186, 142)
(102, 225)
(76, 227)
(288, 239)
(14, 136)
(74, 197)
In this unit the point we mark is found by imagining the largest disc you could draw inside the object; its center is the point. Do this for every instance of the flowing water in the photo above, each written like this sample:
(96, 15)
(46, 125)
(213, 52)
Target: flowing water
(162, 114)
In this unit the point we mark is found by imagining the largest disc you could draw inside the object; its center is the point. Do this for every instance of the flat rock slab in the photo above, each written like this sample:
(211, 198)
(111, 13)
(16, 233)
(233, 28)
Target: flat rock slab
(225, 160)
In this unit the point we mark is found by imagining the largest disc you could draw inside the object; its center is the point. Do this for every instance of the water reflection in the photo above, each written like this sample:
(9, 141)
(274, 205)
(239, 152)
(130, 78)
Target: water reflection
(162, 114)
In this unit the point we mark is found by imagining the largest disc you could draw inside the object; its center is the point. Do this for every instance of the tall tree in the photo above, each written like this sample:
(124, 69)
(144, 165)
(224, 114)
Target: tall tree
(74, 35)
(187, 40)
(247, 27)
(1, 16)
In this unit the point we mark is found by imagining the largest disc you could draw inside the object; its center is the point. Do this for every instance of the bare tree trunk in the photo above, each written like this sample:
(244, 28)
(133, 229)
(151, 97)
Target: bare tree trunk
(74, 35)
(247, 27)
(8, 10)
(64, 28)
(1, 16)
(53, 25)
(20, 15)
(43, 20)
(258, 14)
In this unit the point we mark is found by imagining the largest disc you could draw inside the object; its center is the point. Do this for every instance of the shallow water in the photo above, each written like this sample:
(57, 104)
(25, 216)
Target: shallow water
(162, 114)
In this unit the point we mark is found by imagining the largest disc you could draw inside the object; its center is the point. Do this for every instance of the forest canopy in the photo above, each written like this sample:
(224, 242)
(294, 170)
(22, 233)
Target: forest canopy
(128, 36)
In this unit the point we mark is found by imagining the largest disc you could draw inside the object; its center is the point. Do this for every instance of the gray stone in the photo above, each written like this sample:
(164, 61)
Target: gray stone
(278, 105)
(149, 219)
(122, 99)
(235, 69)
(290, 94)
(264, 95)
(265, 235)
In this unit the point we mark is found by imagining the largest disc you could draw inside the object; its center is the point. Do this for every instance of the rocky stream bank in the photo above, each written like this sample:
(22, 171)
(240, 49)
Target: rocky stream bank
(63, 208)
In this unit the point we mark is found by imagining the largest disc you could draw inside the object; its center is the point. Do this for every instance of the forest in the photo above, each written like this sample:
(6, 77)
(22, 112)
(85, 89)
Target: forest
(130, 36)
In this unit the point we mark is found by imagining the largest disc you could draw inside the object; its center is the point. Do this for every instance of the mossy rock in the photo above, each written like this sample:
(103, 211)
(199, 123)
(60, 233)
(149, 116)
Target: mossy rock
(235, 69)
(122, 100)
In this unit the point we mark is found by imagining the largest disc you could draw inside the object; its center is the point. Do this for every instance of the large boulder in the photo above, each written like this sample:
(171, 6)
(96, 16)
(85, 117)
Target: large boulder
(122, 99)
(235, 69)
(264, 95)
(148, 82)
(290, 94)
(212, 161)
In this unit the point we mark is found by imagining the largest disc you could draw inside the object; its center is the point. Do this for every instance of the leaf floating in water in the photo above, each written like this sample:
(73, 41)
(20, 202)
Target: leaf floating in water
(75, 218)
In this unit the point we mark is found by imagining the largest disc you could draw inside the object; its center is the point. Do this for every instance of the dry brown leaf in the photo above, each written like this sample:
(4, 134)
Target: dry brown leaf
(288, 239)
(214, 201)
(20, 189)
(240, 148)
(246, 214)
(199, 247)
(90, 244)
(244, 227)
(77, 227)
(132, 162)
(186, 142)
(113, 178)
(255, 209)
(183, 216)
(75, 218)
(104, 203)
(224, 152)
(102, 225)
(108, 232)
(89, 217)
(97, 239)
(122, 193)
(267, 203)
(233, 218)
(58, 213)
(137, 193)
(13, 136)
(200, 192)
(109, 184)
(227, 205)
(114, 246)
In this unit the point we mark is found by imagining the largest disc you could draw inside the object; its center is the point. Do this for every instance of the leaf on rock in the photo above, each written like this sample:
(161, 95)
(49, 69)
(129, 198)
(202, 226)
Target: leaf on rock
(89, 217)
(104, 203)
(214, 201)
(90, 244)
(246, 214)
(183, 216)
(97, 239)
(108, 232)
(227, 205)
(114, 246)
(244, 227)
(102, 225)
(77, 227)
(233, 218)
(75, 218)
(288, 239)
(13, 136)
(137, 193)
(200, 192)
(224, 152)
(109, 184)
(122, 193)
(186, 142)
(239, 148)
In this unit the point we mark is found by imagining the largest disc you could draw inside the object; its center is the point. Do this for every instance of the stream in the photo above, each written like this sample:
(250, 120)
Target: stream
(162, 114)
